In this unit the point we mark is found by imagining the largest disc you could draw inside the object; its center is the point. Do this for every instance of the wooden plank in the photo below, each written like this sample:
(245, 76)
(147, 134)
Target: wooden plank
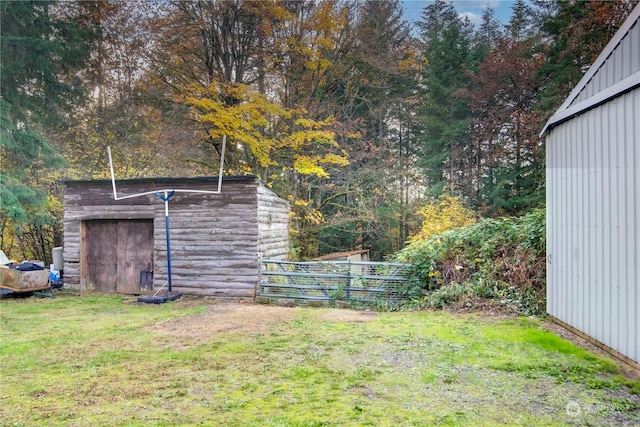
(217, 285)
(72, 268)
(101, 255)
(208, 279)
(185, 260)
(193, 247)
(202, 271)
(196, 236)
(71, 252)
(135, 254)
(246, 258)
(202, 289)
(225, 293)
(97, 213)
(84, 284)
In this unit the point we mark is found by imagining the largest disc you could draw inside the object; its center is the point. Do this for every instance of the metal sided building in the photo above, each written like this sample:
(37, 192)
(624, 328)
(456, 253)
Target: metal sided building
(217, 240)
(593, 200)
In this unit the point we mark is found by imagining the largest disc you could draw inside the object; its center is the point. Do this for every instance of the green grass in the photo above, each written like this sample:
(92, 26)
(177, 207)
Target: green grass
(99, 360)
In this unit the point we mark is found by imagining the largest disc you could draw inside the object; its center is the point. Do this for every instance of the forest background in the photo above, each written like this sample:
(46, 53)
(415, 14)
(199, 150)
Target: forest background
(358, 117)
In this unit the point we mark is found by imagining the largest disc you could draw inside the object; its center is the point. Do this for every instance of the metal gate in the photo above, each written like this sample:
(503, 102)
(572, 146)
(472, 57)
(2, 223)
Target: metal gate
(360, 282)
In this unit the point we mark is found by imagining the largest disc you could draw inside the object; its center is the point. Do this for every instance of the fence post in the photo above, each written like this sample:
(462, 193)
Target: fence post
(348, 279)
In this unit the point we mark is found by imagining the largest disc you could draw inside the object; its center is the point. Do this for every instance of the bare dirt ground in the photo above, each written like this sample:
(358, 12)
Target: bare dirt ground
(238, 317)
(246, 317)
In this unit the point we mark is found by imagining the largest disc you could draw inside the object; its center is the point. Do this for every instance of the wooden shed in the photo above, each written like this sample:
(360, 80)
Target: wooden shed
(593, 200)
(361, 255)
(217, 240)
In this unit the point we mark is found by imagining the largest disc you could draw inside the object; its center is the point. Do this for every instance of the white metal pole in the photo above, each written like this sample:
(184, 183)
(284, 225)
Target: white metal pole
(113, 177)
(224, 145)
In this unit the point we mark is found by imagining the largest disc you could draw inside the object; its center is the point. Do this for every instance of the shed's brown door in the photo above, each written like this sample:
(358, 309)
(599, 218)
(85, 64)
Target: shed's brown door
(116, 252)
(101, 249)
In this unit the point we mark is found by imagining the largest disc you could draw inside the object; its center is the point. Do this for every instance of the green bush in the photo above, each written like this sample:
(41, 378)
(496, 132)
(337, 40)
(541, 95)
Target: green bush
(497, 262)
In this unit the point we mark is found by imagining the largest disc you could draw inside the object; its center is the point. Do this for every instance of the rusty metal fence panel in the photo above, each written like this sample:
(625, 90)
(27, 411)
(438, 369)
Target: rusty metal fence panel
(361, 282)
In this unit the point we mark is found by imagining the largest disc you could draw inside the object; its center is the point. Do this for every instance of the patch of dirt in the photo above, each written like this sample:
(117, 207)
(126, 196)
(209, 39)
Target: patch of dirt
(341, 315)
(239, 318)
(219, 318)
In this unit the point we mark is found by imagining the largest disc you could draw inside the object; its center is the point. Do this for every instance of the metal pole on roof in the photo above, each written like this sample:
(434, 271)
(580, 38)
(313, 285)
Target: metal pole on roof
(165, 195)
(113, 176)
(165, 198)
(224, 145)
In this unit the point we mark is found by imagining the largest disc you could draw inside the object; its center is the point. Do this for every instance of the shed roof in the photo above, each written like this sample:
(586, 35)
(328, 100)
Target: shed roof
(574, 104)
(341, 254)
(165, 180)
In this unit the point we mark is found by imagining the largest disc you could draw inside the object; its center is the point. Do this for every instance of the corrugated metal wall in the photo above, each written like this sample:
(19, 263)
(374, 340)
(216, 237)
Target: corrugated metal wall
(623, 62)
(593, 223)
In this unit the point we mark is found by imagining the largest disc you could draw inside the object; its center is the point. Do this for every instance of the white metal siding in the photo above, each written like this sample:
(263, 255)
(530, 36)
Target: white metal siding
(623, 62)
(593, 223)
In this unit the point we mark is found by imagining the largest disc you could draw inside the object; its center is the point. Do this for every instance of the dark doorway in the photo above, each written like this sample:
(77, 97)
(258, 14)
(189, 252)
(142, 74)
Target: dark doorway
(116, 252)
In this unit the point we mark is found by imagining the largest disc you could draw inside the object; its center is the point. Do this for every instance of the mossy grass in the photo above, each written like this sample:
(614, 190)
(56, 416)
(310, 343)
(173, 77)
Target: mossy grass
(100, 360)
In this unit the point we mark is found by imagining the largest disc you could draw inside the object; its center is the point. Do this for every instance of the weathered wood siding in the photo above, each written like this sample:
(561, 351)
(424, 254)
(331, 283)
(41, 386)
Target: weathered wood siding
(273, 225)
(93, 200)
(216, 239)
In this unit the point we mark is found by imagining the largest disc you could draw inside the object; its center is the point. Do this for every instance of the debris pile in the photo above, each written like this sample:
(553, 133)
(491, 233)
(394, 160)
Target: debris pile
(27, 276)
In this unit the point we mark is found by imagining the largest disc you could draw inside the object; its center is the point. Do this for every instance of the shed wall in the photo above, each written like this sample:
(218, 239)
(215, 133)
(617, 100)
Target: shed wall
(214, 237)
(593, 223)
(83, 203)
(214, 250)
(273, 225)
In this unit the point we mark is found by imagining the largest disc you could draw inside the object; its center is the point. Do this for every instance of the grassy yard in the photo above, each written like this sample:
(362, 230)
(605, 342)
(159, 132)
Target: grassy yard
(105, 360)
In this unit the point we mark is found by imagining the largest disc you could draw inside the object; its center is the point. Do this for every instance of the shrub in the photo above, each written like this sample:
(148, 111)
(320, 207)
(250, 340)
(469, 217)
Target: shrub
(445, 213)
(495, 261)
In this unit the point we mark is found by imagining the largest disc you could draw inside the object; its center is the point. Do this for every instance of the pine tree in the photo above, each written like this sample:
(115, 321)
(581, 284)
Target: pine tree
(446, 115)
(520, 26)
(488, 34)
(42, 45)
(376, 97)
(509, 167)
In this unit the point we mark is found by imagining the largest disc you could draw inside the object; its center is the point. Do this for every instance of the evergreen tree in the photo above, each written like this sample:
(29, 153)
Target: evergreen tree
(366, 207)
(488, 34)
(520, 26)
(509, 167)
(446, 114)
(42, 45)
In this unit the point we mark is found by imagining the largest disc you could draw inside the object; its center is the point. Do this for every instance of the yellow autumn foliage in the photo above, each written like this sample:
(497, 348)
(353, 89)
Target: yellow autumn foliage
(303, 211)
(442, 214)
(251, 120)
(308, 166)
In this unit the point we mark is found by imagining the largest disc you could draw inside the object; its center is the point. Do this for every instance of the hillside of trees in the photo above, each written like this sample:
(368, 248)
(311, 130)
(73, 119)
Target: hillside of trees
(356, 116)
